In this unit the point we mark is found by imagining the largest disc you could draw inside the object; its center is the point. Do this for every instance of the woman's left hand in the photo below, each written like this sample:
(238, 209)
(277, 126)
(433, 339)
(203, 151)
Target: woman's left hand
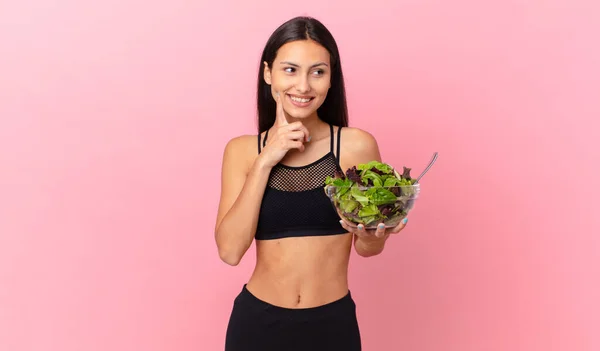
(380, 233)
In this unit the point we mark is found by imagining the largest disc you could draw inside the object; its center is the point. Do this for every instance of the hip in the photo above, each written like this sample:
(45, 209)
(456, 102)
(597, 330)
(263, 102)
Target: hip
(256, 324)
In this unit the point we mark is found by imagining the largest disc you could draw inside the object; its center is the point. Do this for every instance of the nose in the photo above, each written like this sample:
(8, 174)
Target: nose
(302, 85)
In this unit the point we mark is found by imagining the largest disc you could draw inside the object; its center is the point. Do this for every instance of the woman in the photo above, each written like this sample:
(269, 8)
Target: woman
(272, 190)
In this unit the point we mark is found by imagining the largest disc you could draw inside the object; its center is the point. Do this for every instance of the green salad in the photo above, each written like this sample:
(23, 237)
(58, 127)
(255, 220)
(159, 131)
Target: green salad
(371, 193)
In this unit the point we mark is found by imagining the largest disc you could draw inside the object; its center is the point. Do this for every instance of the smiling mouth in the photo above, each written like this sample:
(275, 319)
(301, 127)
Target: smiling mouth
(301, 100)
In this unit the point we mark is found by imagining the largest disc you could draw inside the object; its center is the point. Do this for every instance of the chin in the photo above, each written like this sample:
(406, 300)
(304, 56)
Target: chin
(301, 115)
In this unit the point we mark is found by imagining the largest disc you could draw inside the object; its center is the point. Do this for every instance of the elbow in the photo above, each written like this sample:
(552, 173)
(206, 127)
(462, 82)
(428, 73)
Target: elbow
(227, 253)
(229, 256)
(231, 248)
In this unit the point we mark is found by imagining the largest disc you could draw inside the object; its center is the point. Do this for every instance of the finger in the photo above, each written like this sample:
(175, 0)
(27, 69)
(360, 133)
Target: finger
(298, 135)
(380, 231)
(279, 113)
(346, 226)
(360, 229)
(299, 126)
(294, 144)
(400, 226)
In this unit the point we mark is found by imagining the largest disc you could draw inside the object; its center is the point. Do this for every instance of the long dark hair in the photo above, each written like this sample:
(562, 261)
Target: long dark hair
(334, 109)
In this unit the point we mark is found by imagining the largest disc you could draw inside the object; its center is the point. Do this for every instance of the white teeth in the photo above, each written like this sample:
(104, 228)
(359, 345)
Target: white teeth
(299, 99)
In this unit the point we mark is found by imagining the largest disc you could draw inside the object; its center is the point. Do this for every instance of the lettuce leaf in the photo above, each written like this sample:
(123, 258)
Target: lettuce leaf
(382, 167)
(359, 195)
(382, 196)
(348, 205)
(371, 178)
(370, 210)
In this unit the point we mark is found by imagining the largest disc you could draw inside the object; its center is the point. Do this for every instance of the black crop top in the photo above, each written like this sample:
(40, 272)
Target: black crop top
(294, 203)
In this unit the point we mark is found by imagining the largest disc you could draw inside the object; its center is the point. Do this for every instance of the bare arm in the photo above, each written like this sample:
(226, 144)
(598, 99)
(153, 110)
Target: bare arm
(242, 189)
(359, 146)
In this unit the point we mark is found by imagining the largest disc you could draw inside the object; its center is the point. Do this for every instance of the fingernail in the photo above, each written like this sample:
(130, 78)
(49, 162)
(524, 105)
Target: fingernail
(360, 226)
(341, 222)
(405, 220)
(381, 225)
(309, 137)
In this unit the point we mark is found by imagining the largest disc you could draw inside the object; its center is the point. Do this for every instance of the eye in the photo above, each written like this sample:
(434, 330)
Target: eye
(319, 72)
(289, 69)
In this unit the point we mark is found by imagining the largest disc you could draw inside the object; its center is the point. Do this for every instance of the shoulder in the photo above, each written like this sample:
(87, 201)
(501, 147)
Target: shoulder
(241, 150)
(241, 141)
(356, 139)
(358, 146)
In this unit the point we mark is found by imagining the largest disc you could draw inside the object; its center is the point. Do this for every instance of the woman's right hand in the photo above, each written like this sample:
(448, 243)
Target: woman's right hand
(283, 137)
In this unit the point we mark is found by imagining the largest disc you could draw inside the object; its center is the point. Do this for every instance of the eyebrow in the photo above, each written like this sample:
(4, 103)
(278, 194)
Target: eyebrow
(295, 65)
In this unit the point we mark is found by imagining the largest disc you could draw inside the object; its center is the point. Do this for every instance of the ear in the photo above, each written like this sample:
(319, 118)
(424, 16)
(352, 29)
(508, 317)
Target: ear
(267, 73)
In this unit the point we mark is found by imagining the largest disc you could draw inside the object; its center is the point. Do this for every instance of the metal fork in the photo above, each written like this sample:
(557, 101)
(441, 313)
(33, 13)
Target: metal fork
(435, 155)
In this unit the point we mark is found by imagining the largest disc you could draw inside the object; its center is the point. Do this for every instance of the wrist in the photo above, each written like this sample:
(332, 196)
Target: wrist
(367, 247)
(261, 164)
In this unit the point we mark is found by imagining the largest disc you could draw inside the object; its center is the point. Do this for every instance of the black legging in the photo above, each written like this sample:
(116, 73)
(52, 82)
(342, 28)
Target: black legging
(256, 325)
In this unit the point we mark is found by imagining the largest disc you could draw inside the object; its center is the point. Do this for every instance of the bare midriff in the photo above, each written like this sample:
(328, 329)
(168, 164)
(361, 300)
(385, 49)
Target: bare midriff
(301, 272)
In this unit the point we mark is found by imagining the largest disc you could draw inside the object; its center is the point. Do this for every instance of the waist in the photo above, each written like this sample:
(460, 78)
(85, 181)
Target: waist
(336, 307)
(298, 294)
(301, 272)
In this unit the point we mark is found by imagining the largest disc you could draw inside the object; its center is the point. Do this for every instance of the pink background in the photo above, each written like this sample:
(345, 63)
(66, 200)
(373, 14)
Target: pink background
(114, 115)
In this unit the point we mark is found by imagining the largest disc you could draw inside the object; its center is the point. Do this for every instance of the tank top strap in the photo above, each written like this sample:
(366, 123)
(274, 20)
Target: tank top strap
(339, 135)
(339, 132)
(264, 141)
(331, 138)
